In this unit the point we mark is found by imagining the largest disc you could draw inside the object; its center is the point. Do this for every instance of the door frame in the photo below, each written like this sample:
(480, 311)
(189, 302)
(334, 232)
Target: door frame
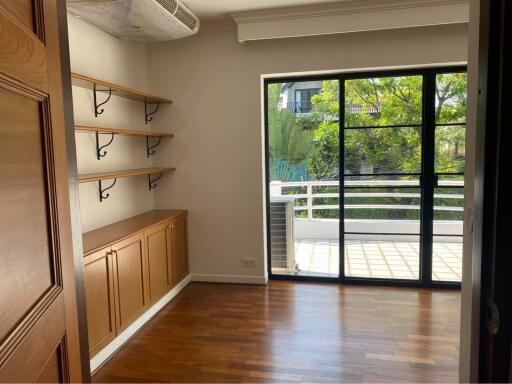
(74, 201)
(428, 136)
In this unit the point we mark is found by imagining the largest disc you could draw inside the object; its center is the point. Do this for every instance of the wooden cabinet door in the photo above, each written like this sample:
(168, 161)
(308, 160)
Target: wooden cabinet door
(178, 228)
(159, 259)
(99, 292)
(39, 337)
(130, 280)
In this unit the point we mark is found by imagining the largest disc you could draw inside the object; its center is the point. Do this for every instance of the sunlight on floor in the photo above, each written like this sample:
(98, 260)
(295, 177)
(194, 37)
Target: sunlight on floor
(377, 259)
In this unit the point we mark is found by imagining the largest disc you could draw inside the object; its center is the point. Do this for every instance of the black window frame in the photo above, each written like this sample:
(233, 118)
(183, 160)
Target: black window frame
(428, 180)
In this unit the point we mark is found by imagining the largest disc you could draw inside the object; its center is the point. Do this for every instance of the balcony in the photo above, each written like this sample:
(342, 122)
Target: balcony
(374, 248)
(300, 107)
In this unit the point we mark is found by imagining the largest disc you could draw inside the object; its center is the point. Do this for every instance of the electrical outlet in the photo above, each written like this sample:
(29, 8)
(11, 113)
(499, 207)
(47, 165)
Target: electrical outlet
(248, 263)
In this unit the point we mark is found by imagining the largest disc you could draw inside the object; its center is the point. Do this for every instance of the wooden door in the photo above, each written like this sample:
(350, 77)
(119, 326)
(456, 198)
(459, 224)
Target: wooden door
(159, 259)
(99, 290)
(493, 205)
(130, 279)
(38, 313)
(179, 249)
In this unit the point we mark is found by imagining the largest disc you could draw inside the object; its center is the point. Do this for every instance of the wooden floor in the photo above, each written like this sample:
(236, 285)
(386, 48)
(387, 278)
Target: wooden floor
(295, 332)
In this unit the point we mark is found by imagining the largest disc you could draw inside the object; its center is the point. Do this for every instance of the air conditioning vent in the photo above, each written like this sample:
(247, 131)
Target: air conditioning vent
(140, 20)
(170, 5)
(186, 17)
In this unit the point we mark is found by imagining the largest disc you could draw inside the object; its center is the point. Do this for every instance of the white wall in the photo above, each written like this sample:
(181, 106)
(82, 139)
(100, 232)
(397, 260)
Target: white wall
(216, 84)
(98, 54)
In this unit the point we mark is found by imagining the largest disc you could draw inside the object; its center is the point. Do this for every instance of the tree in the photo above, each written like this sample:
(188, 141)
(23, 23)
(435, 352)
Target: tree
(388, 101)
(289, 143)
(384, 102)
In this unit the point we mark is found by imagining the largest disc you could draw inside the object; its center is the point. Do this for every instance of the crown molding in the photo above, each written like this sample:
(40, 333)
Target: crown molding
(348, 16)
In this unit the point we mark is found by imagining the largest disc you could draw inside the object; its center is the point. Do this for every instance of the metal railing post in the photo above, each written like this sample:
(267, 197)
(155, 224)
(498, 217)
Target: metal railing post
(310, 199)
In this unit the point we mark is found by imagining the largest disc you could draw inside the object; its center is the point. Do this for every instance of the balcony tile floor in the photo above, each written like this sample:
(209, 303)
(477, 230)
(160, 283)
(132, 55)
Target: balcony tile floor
(376, 259)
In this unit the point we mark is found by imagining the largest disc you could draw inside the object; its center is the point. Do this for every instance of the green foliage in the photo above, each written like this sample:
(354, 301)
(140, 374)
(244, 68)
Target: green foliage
(311, 141)
(384, 102)
(289, 143)
(451, 95)
(323, 163)
(309, 121)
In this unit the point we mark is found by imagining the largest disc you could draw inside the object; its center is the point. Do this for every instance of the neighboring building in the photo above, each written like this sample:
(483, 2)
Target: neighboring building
(296, 96)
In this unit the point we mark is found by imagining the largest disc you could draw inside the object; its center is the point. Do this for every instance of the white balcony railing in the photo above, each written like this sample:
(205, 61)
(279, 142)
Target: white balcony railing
(314, 226)
(276, 189)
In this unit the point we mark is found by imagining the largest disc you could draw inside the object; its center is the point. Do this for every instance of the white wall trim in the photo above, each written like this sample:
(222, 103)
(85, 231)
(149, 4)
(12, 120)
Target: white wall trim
(348, 16)
(106, 353)
(233, 279)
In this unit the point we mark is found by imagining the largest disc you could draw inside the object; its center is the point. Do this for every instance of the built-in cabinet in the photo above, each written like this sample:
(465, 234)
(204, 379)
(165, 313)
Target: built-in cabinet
(178, 236)
(128, 267)
(99, 293)
(130, 280)
(159, 260)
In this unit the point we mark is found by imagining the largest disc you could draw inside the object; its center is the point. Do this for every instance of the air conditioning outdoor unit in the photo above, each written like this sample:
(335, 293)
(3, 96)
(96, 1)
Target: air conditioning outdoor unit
(282, 244)
(139, 20)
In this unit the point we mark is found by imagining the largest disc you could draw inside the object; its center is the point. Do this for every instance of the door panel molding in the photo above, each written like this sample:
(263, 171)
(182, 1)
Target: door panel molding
(22, 56)
(42, 329)
(9, 344)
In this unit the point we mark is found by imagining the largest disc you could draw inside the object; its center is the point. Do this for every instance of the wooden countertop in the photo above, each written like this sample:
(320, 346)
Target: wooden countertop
(110, 234)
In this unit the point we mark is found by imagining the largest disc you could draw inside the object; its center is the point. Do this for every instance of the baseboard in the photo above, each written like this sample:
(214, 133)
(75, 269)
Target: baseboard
(99, 359)
(236, 279)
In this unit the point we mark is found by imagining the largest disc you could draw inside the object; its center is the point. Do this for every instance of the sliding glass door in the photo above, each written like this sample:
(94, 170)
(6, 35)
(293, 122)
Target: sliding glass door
(382, 145)
(303, 177)
(374, 193)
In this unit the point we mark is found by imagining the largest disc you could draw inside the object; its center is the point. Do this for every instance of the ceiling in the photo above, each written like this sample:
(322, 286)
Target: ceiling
(219, 9)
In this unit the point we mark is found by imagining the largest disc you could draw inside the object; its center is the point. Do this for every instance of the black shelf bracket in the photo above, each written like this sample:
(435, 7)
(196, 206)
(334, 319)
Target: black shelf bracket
(103, 195)
(150, 149)
(149, 115)
(99, 153)
(152, 182)
(97, 107)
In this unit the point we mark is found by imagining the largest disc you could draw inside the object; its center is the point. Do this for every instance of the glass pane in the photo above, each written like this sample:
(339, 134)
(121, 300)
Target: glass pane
(382, 210)
(385, 257)
(451, 98)
(382, 150)
(383, 101)
(448, 211)
(450, 149)
(447, 258)
(303, 152)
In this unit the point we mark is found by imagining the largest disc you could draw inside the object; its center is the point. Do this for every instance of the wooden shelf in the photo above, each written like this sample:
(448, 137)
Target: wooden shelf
(122, 131)
(90, 177)
(119, 90)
